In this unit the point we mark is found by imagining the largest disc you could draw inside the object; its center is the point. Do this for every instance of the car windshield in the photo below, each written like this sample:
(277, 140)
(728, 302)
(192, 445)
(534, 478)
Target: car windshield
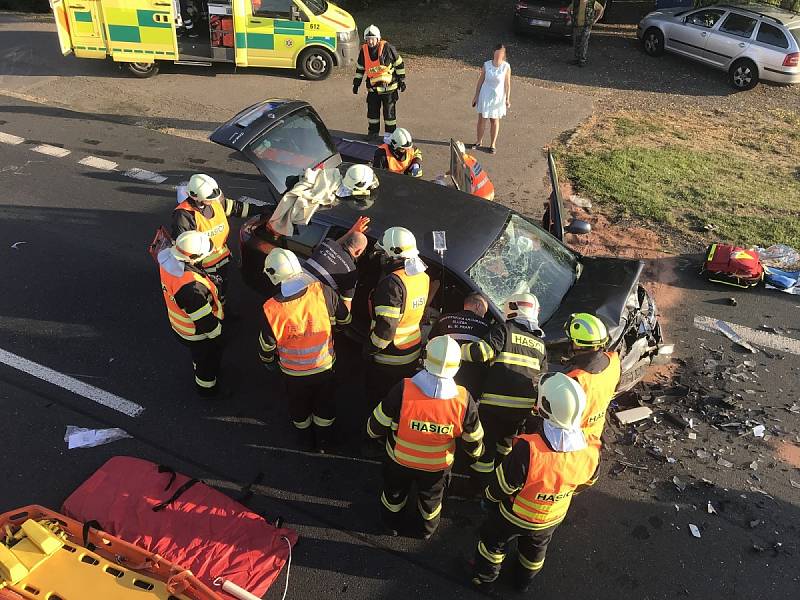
(300, 142)
(316, 6)
(526, 259)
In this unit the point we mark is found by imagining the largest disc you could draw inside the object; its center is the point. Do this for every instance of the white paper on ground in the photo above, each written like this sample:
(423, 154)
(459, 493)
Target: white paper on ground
(78, 437)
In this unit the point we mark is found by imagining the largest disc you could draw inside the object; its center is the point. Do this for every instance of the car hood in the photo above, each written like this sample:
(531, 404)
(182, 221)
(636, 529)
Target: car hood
(604, 287)
(666, 12)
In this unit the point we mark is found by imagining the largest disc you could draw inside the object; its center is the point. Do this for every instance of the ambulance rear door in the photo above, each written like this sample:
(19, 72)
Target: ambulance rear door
(85, 18)
(62, 25)
(140, 30)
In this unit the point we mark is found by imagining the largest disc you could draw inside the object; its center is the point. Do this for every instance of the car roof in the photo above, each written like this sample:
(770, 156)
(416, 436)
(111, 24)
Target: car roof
(471, 223)
(249, 123)
(774, 13)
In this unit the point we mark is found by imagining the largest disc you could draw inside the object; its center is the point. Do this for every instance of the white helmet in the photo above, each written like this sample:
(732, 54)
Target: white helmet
(398, 242)
(526, 305)
(561, 401)
(192, 247)
(401, 138)
(281, 265)
(442, 356)
(203, 188)
(360, 179)
(373, 32)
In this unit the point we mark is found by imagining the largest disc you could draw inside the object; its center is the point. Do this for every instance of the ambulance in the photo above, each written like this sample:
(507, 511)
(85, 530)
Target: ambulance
(311, 36)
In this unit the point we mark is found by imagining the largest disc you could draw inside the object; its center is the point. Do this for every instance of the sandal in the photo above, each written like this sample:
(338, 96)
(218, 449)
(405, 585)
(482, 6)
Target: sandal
(475, 146)
(492, 150)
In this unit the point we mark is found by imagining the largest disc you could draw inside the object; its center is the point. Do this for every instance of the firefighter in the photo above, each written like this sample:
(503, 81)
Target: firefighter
(333, 262)
(298, 331)
(194, 308)
(397, 305)
(207, 210)
(517, 358)
(598, 372)
(399, 155)
(531, 490)
(421, 418)
(478, 180)
(386, 74)
(465, 326)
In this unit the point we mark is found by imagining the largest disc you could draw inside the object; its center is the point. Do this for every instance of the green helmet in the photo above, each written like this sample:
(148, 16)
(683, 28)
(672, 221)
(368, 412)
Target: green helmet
(586, 331)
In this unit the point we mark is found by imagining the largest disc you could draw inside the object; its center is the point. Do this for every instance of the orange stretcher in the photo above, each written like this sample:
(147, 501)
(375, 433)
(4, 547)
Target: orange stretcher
(47, 556)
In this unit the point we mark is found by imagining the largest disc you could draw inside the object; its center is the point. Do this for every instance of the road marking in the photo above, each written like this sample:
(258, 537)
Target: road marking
(56, 151)
(7, 138)
(145, 175)
(763, 339)
(98, 163)
(68, 383)
(237, 420)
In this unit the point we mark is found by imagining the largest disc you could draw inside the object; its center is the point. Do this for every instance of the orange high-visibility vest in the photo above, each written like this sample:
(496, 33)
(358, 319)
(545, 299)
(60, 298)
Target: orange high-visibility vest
(379, 75)
(427, 429)
(302, 328)
(181, 321)
(599, 388)
(216, 228)
(398, 166)
(408, 334)
(552, 478)
(480, 184)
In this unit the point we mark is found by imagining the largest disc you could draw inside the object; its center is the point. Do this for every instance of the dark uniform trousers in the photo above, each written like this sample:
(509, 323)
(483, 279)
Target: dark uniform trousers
(397, 481)
(206, 358)
(580, 42)
(375, 102)
(312, 402)
(495, 536)
(379, 379)
(500, 425)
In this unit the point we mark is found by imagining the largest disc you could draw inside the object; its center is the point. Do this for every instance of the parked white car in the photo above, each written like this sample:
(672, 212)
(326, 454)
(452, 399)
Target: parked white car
(752, 43)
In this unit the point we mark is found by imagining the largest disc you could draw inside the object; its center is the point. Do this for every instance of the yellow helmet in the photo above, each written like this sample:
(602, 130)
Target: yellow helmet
(586, 331)
(442, 356)
(398, 242)
(281, 265)
(203, 188)
(561, 401)
(192, 247)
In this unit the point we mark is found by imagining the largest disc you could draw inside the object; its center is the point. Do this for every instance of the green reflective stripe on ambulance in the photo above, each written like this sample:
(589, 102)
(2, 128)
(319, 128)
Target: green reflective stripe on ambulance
(289, 27)
(327, 41)
(241, 40)
(146, 18)
(260, 41)
(124, 33)
(82, 16)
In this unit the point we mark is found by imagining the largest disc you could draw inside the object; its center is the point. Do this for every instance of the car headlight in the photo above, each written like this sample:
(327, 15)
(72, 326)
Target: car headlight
(345, 36)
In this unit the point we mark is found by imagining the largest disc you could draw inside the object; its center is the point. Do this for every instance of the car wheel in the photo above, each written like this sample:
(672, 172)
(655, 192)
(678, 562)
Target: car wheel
(142, 70)
(653, 42)
(743, 74)
(315, 63)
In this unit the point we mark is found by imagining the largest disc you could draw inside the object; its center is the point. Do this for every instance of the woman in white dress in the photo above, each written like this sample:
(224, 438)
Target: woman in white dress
(492, 95)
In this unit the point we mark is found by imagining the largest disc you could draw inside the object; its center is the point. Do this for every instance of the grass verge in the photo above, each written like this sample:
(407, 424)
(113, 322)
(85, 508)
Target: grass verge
(737, 172)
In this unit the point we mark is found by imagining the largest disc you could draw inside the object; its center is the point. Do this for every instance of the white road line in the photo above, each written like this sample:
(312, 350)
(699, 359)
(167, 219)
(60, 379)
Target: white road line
(56, 151)
(66, 382)
(7, 138)
(763, 339)
(98, 163)
(145, 175)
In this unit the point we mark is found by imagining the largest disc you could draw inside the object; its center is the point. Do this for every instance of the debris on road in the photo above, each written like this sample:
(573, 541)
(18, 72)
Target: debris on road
(694, 529)
(79, 437)
(729, 333)
(724, 463)
(580, 202)
(759, 430)
(794, 484)
(732, 301)
(16, 245)
(711, 510)
(632, 415)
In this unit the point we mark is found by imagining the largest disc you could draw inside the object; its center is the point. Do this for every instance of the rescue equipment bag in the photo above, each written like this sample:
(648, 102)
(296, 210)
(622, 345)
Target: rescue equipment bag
(732, 265)
(161, 241)
(184, 521)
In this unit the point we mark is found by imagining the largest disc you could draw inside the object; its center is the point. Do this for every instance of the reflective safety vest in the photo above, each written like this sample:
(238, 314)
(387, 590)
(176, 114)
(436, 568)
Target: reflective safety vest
(427, 429)
(552, 478)
(181, 321)
(216, 228)
(480, 184)
(379, 76)
(599, 388)
(398, 166)
(515, 370)
(302, 328)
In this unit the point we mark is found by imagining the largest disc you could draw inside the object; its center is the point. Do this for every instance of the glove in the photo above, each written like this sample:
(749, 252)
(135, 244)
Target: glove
(355, 88)
(415, 170)
(360, 226)
(402, 86)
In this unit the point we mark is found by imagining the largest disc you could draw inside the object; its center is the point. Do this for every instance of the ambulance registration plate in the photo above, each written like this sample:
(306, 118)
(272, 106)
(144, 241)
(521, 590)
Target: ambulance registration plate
(540, 23)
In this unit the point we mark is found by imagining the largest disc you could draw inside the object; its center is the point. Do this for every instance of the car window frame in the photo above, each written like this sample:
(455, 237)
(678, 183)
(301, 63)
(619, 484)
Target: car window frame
(732, 13)
(273, 14)
(723, 14)
(786, 39)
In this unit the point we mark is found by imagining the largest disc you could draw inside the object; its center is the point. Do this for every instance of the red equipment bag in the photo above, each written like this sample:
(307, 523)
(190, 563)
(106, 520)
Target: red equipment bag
(161, 240)
(732, 265)
(183, 520)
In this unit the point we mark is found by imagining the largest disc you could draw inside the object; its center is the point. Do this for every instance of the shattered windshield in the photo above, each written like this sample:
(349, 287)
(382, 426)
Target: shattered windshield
(526, 259)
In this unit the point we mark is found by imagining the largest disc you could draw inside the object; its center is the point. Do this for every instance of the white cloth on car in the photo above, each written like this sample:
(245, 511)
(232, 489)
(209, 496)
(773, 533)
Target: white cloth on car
(317, 187)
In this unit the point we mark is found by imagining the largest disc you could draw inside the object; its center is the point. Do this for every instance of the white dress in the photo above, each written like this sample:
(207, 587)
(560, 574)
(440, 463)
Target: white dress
(492, 97)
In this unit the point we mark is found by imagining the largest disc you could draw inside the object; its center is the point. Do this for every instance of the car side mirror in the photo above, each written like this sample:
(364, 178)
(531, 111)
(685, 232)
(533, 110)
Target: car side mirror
(578, 227)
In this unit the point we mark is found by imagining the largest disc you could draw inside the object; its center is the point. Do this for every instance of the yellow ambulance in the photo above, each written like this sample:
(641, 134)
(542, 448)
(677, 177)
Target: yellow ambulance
(311, 36)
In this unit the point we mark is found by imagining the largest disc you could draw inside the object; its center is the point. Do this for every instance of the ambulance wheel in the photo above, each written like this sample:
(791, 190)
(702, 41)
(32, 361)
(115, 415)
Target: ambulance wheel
(142, 70)
(315, 63)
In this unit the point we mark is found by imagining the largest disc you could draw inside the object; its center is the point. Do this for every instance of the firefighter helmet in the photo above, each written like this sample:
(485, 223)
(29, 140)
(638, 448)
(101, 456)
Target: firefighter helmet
(586, 331)
(401, 138)
(372, 32)
(526, 305)
(442, 356)
(281, 265)
(360, 179)
(203, 188)
(192, 247)
(561, 401)
(398, 242)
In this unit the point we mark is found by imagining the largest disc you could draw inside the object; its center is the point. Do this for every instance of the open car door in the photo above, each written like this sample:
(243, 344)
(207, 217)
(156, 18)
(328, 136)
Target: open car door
(62, 25)
(459, 171)
(553, 219)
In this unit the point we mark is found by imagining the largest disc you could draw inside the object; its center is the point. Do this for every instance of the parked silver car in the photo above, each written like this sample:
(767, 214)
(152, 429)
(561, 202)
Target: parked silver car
(752, 43)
